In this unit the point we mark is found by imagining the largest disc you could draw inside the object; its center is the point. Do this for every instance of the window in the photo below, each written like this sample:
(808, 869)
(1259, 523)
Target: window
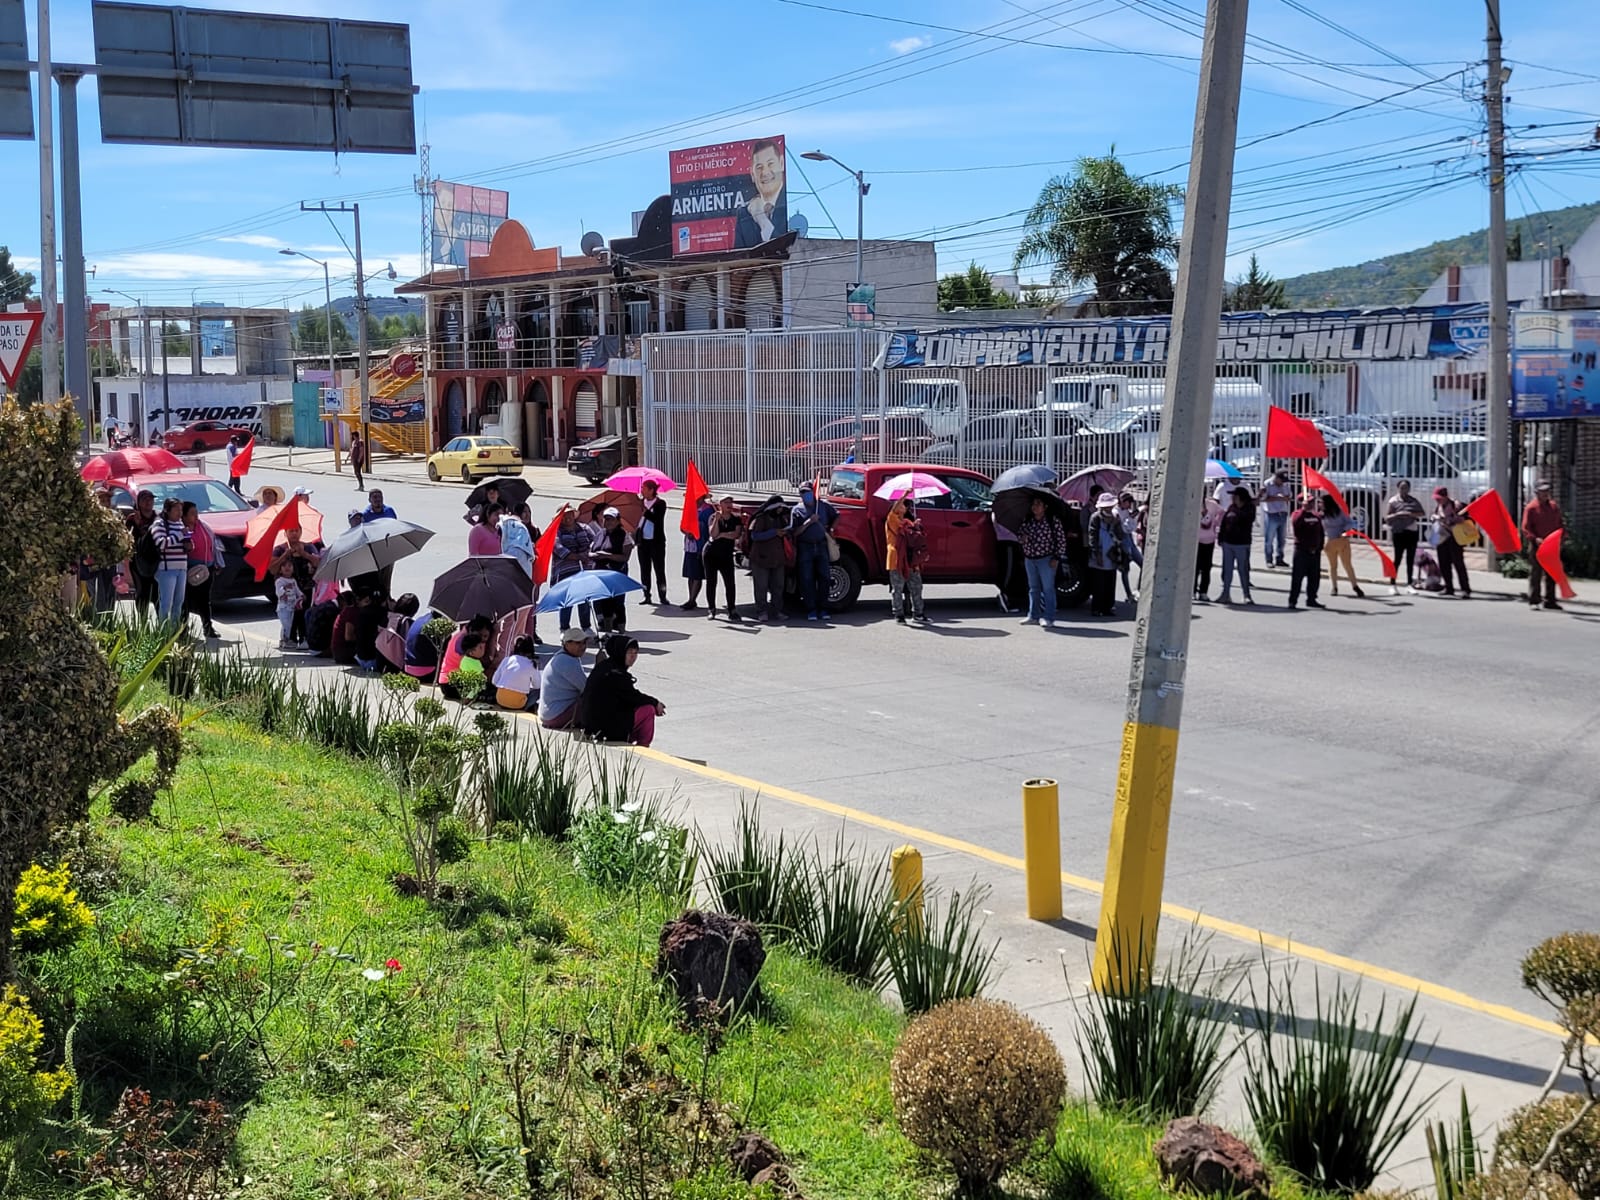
(493, 441)
(848, 485)
(205, 494)
(458, 444)
(968, 495)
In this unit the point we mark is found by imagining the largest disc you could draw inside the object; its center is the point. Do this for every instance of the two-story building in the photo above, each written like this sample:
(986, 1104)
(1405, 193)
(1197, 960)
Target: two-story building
(544, 345)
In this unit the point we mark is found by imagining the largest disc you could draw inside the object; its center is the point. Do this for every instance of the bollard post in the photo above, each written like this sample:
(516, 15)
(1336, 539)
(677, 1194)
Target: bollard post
(905, 876)
(1041, 848)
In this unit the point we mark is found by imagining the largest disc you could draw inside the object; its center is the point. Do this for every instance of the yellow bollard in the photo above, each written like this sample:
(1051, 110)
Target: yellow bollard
(905, 876)
(1041, 848)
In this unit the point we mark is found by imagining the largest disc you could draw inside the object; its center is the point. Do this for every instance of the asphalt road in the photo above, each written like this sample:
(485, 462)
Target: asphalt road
(1410, 781)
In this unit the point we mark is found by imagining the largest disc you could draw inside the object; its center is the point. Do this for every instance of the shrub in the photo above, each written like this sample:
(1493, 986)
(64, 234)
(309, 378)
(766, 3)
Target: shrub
(337, 717)
(761, 879)
(1564, 968)
(534, 788)
(852, 908)
(1154, 1050)
(427, 762)
(143, 1152)
(1519, 1183)
(976, 1083)
(1527, 1134)
(26, 1094)
(936, 955)
(1456, 1158)
(49, 914)
(1330, 1099)
(633, 847)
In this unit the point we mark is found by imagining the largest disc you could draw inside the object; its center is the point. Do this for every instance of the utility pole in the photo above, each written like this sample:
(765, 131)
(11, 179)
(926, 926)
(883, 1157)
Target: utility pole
(1499, 423)
(363, 382)
(1130, 907)
(50, 334)
(75, 292)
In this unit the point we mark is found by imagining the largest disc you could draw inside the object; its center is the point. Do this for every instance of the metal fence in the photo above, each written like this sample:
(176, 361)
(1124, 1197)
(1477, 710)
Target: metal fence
(760, 410)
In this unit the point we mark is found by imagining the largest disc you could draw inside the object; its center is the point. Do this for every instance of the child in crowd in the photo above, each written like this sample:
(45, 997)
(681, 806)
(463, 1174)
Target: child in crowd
(289, 597)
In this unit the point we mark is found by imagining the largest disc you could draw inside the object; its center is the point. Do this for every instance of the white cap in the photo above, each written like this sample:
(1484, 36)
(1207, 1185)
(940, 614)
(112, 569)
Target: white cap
(611, 512)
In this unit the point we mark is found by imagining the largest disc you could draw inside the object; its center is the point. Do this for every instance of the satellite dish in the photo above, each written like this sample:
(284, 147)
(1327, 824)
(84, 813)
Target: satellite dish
(798, 224)
(592, 244)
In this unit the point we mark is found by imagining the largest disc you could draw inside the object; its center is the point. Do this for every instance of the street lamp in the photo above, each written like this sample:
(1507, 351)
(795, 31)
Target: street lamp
(327, 308)
(144, 355)
(862, 187)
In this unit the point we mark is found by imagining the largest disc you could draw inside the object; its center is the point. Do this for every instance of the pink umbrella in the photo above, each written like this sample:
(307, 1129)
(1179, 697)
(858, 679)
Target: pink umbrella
(631, 479)
(915, 484)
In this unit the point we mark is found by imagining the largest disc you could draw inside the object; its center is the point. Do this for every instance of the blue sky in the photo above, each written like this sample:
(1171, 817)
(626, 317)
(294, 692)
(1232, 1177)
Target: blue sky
(573, 107)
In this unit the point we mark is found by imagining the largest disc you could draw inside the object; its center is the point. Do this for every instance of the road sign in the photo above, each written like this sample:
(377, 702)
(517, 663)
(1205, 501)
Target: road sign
(16, 94)
(18, 332)
(505, 336)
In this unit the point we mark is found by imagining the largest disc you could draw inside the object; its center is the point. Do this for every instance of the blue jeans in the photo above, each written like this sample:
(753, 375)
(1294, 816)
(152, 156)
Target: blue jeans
(816, 575)
(1041, 589)
(1273, 539)
(566, 613)
(171, 583)
(1235, 557)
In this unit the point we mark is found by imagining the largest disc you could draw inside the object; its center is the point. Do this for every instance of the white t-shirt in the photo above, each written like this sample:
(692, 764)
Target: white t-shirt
(517, 674)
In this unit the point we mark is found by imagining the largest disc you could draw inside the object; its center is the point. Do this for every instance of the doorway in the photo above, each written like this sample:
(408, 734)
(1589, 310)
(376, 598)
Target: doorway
(455, 410)
(536, 415)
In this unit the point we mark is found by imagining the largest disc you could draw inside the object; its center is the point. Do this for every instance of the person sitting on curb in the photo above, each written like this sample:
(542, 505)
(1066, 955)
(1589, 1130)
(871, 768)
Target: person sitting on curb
(474, 646)
(612, 708)
(562, 682)
(516, 679)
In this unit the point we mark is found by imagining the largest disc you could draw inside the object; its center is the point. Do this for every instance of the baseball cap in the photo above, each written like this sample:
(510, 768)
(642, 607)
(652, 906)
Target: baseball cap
(807, 487)
(1543, 486)
(611, 512)
(569, 636)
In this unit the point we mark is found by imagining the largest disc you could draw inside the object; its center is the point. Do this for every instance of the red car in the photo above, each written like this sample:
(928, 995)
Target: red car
(197, 437)
(223, 512)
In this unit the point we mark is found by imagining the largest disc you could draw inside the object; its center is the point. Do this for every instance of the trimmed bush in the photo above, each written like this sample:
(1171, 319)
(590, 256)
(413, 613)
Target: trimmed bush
(976, 1083)
(49, 914)
(1519, 1183)
(26, 1094)
(1577, 1158)
(1564, 968)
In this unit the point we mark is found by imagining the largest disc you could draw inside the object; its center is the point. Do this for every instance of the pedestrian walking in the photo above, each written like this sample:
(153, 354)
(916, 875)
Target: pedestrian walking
(1452, 558)
(358, 458)
(722, 538)
(1233, 535)
(1310, 536)
(1276, 498)
(236, 444)
(694, 544)
(1110, 551)
(483, 539)
(811, 527)
(611, 552)
(1403, 515)
(172, 571)
(1043, 539)
(1210, 523)
(906, 548)
(205, 560)
(652, 542)
(1336, 524)
(769, 553)
(146, 556)
(1540, 519)
(1132, 518)
(569, 556)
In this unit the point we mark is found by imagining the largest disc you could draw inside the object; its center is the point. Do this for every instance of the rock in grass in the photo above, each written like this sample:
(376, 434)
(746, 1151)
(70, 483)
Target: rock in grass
(712, 960)
(1196, 1156)
(758, 1162)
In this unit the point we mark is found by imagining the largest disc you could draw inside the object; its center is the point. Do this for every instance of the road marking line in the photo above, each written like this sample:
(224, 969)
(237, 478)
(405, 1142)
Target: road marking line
(1177, 912)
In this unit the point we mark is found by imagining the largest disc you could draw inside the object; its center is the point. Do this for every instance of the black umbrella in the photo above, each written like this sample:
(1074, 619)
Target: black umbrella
(1012, 506)
(513, 491)
(487, 585)
(1027, 475)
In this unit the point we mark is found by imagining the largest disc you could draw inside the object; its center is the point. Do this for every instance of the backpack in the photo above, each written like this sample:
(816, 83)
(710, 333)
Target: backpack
(146, 554)
(915, 540)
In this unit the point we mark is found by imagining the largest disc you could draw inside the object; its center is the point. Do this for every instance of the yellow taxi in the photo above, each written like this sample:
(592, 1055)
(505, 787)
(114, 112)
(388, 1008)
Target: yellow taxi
(469, 458)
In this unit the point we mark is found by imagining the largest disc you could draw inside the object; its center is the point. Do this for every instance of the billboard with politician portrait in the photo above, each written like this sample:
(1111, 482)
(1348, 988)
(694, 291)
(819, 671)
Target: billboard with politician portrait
(464, 220)
(730, 196)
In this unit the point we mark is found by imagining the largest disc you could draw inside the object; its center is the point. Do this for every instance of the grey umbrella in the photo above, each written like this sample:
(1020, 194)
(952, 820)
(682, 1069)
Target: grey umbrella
(1027, 475)
(363, 549)
(484, 585)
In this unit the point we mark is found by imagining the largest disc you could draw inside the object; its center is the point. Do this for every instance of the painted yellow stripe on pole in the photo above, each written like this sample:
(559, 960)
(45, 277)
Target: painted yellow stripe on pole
(1136, 861)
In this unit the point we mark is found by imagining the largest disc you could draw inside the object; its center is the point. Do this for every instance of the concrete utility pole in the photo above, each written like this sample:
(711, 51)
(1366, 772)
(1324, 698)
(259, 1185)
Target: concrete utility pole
(1499, 424)
(1130, 908)
(50, 333)
(364, 383)
(75, 287)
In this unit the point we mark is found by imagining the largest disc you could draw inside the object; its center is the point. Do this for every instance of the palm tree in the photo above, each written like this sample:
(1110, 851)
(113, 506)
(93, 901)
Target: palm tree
(1105, 227)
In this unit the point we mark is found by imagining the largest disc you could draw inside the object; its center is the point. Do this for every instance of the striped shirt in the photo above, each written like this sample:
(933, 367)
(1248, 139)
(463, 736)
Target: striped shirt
(170, 535)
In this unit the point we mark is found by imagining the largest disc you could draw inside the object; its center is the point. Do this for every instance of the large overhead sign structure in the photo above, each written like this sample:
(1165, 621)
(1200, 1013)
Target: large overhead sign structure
(16, 97)
(181, 76)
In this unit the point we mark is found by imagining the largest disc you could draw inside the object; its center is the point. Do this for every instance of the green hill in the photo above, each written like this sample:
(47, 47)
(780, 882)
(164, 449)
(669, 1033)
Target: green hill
(1401, 278)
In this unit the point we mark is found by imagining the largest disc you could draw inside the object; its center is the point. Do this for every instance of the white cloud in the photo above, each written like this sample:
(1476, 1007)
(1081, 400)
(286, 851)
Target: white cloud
(907, 45)
(253, 239)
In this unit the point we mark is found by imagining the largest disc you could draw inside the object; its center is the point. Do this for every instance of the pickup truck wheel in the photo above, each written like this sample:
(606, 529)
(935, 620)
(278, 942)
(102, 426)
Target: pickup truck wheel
(844, 584)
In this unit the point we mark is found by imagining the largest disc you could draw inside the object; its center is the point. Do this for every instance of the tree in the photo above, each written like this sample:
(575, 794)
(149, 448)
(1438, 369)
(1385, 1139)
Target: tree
(311, 332)
(1256, 292)
(1040, 295)
(972, 288)
(15, 286)
(1103, 227)
(174, 341)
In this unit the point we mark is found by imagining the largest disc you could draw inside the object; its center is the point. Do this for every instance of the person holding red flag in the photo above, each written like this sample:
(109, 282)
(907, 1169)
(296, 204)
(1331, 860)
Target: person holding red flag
(1540, 519)
(1310, 538)
(1447, 515)
(694, 522)
(240, 451)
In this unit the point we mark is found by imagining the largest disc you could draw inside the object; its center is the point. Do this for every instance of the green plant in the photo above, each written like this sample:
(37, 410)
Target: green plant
(1560, 1135)
(1519, 1183)
(1456, 1159)
(1514, 566)
(1563, 968)
(1154, 1049)
(337, 717)
(426, 761)
(847, 927)
(976, 1083)
(1331, 1100)
(764, 880)
(634, 847)
(26, 1093)
(935, 952)
(48, 913)
(532, 785)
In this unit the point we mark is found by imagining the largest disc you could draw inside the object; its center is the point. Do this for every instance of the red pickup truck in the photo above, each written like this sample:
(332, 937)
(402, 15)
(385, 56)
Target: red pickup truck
(962, 547)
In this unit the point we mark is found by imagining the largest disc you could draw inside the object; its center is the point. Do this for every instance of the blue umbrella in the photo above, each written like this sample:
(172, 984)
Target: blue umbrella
(585, 587)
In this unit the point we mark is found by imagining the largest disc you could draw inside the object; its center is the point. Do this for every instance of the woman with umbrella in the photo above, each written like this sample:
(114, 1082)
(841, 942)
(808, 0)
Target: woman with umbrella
(652, 540)
(1043, 539)
(611, 553)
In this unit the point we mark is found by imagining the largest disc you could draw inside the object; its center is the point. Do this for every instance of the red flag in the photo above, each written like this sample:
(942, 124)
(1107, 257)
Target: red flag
(1289, 436)
(240, 466)
(1494, 518)
(545, 548)
(1316, 479)
(259, 555)
(1549, 556)
(693, 489)
(1388, 563)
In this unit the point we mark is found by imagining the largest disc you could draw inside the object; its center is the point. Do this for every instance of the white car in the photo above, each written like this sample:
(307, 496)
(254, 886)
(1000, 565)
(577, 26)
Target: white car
(1366, 468)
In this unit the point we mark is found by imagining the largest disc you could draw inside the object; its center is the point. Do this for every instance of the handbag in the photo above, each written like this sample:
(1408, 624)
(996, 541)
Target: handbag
(1465, 532)
(789, 555)
(198, 574)
(833, 548)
